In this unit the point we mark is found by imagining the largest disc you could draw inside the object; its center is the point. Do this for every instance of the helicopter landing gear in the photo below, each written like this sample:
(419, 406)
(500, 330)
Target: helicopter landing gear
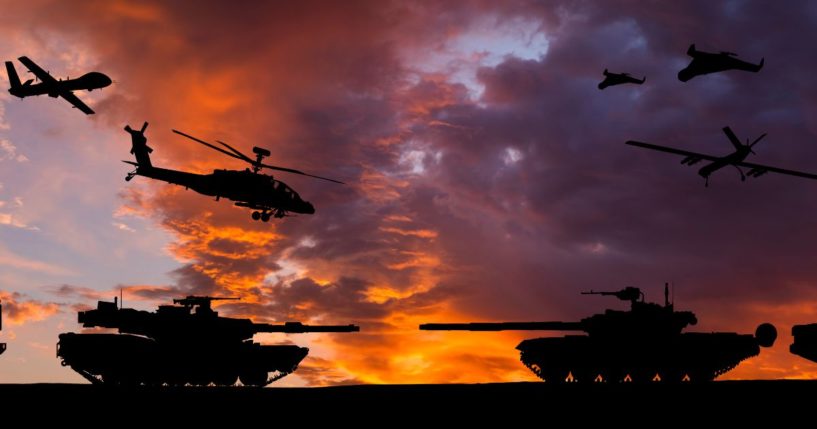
(262, 216)
(130, 176)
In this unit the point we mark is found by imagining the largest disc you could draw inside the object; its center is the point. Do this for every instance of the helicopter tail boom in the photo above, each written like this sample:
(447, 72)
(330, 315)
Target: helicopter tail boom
(139, 146)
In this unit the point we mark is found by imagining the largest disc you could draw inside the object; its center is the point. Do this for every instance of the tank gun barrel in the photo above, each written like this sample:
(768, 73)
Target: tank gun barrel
(203, 300)
(300, 328)
(504, 326)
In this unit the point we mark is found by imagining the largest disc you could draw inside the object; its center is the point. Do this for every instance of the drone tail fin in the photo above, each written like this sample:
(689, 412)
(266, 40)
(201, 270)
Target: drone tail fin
(14, 80)
(691, 51)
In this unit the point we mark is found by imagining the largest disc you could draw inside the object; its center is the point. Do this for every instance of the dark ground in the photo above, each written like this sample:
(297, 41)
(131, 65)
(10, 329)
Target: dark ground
(390, 405)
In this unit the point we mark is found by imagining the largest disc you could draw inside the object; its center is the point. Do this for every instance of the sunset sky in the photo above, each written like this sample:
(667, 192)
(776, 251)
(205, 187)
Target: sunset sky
(487, 176)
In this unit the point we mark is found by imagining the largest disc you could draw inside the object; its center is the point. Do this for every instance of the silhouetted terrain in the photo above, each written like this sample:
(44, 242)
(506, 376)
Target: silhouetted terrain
(390, 404)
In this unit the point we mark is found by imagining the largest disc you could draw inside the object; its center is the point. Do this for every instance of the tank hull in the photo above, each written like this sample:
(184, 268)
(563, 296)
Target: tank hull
(695, 357)
(122, 359)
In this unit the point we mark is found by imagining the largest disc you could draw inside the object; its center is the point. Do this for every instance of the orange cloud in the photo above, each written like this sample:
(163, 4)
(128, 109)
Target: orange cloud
(17, 309)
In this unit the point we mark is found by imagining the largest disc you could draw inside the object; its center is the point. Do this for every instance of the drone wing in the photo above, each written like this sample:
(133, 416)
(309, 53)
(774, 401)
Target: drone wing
(758, 170)
(76, 102)
(686, 153)
(37, 70)
(47, 78)
(738, 64)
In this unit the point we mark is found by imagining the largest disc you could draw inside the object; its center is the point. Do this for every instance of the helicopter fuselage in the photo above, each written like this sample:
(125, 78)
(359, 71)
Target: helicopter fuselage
(247, 189)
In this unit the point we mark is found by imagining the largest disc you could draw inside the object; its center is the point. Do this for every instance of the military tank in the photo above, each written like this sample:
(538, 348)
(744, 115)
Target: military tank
(187, 343)
(805, 341)
(643, 344)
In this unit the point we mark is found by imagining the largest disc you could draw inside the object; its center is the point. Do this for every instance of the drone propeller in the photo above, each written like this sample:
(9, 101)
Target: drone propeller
(754, 142)
(257, 164)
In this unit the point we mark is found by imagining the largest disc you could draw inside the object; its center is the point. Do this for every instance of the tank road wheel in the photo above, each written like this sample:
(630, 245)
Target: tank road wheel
(110, 379)
(199, 381)
(646, 375)
(672, 376)
(114, 379)
(225, 379)
(555, 375)
(256, 215)
(254, 378)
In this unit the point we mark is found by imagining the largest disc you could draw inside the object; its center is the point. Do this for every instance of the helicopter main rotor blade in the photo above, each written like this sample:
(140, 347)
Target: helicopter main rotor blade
(290, 170)
(212, 146)
(238, 155)
(245, 157)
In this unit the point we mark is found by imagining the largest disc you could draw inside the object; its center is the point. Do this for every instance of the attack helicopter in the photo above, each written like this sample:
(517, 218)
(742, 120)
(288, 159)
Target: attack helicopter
(249, 188)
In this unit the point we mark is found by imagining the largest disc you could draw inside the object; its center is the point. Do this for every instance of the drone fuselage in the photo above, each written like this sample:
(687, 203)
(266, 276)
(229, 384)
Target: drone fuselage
(731, 159)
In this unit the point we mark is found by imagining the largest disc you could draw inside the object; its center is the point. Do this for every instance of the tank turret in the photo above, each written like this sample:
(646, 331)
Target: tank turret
(645, 343)
(184, 343)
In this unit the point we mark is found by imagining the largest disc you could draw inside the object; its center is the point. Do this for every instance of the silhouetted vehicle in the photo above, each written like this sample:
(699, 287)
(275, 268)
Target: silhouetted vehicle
(734, 159)
(805, 341)
(2, 345)
(180, 344)
(706, 62)
(53, 87)
(611, 79)
(248, 188)
(641, 345)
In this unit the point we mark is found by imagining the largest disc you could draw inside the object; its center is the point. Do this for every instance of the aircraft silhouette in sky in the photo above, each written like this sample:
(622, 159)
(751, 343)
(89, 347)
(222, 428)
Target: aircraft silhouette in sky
(735, 159)
(249, 188)
(54, 87)
(706, 62)
(611, 79)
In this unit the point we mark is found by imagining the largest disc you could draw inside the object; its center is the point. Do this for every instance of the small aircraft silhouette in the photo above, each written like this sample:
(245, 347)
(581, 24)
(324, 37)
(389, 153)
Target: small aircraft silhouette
(734, 159)
(611, 79)
(248, 188)
(706, 62)
(53, 87)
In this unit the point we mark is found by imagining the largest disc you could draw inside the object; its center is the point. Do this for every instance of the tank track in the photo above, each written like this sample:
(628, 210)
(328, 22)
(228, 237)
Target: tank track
(98, 381)
(569, 376)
